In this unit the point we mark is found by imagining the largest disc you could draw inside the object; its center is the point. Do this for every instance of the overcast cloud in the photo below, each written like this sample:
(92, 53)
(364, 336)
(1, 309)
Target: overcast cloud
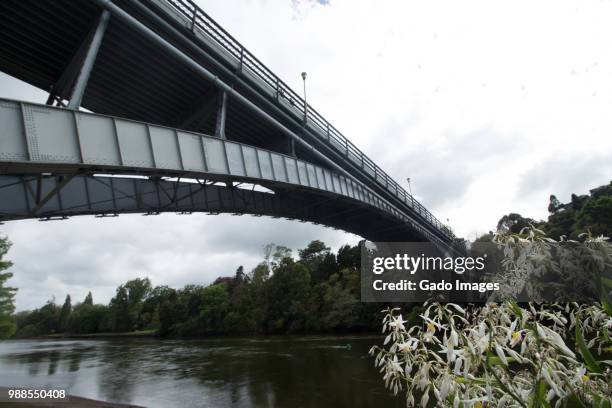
(488, 107)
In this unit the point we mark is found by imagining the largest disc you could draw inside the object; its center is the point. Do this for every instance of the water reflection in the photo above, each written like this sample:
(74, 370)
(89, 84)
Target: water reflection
(241, 372)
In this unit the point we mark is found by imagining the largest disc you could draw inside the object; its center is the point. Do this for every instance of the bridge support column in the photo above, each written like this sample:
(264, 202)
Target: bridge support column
(292, 147)
(88, 62)
(221, 115)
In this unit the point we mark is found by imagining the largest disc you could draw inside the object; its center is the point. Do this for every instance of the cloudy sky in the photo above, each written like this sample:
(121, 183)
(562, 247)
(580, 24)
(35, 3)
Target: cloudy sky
(489, 107)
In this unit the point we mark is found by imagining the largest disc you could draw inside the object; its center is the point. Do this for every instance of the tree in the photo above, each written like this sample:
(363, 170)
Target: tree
(88, 318)
(120, 310)
(319, 260)
(7, 294)
(65, 314)
(169, 311)
(259, 274)
(514, 223)
(273, 254)
(562, 223)
(349, 257)
(596, 216)
(288, 297)
(127, 304)
(239, 277)
(554, 204)
(315, 250)
(88, 299)
(214, 306)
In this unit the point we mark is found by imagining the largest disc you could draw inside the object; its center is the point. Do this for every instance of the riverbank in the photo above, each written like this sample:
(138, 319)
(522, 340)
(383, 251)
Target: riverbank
(140, 333)
(71, 402)
(155, 334)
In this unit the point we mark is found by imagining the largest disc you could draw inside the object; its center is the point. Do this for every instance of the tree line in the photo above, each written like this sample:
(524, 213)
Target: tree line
(583, 214)
(317, 292)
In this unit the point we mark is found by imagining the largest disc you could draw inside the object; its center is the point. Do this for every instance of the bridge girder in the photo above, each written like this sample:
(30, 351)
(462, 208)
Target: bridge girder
(39, 139)
(60, 196)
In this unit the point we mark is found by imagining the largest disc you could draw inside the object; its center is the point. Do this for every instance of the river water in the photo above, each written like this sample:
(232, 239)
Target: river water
(221, 372)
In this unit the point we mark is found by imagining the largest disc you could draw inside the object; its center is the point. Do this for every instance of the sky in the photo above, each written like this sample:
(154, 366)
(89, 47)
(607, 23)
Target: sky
(489, 107)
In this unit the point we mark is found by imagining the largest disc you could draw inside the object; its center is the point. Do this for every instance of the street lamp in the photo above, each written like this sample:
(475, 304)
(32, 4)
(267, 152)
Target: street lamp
(409, 187)
(305, 105)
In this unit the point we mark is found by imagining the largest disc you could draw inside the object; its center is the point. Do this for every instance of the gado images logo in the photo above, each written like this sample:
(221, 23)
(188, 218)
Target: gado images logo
(415, 272)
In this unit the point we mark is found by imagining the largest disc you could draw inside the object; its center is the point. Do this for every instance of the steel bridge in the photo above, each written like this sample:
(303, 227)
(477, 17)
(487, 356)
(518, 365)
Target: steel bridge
(153, 107)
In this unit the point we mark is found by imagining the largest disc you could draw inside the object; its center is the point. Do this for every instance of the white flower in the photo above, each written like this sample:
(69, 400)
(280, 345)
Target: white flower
(554, 338)
(425, 399)
(500, 353)
(394, 366)
(398, 323)
(457, 368)
(451, 353)
(516, 338)
(454, 338)
(422, 377)
(445, 386)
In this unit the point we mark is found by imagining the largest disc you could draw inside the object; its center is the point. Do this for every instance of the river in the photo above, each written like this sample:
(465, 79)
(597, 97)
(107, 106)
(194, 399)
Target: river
(311, 371)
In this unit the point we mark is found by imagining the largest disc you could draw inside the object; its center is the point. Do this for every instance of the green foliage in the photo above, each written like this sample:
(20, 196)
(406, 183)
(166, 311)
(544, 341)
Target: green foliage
(319, 292)
(89, 318)
(88, 299)
(587, 213)
(596, 216)
(7, 294)
(554, 205)
(39, 321)
(560, 224)
(127, 304)
(214, 306)
(65, 314)
(514, 223)
(288, 290)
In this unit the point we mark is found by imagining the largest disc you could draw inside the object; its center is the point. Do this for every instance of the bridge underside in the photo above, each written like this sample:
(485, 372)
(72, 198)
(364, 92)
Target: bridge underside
(175, 96)
(56, 196)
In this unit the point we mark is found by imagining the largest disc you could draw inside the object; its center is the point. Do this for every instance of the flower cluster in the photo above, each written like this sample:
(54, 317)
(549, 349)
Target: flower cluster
(504, 354)
(538, 267)
(497, 355)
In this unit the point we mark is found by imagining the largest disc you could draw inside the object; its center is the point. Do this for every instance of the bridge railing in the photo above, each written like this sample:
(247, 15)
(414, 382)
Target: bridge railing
(324, 130)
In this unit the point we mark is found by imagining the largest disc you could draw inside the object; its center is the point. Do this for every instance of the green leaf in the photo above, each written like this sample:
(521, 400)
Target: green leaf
(606, 302)
(540, 396)
(494, 360)
(516, 309)
(589, 360)
(600, 401)
(607, 282)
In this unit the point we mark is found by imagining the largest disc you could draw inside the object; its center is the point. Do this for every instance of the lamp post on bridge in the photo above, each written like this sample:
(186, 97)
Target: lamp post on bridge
(305, 104)
(409, 187)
